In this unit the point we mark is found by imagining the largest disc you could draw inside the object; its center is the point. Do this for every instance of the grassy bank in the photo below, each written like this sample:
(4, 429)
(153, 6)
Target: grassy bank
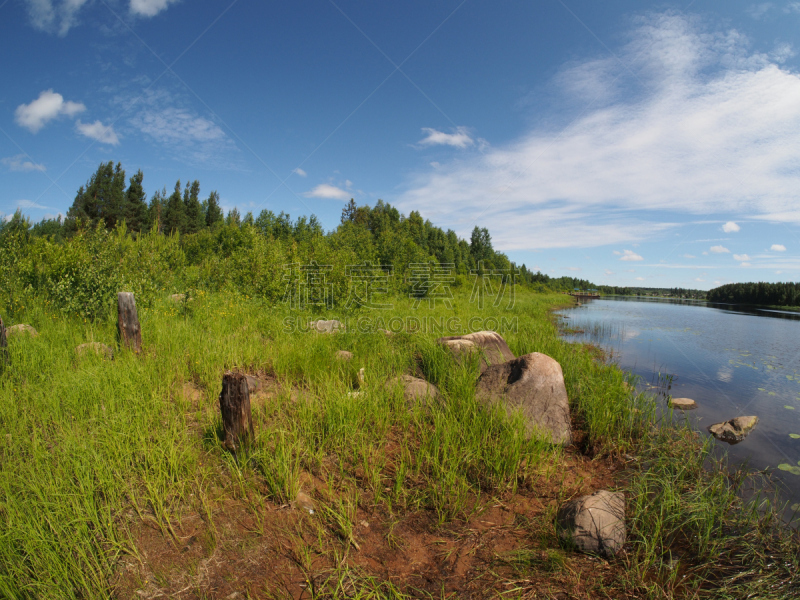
(114, 481)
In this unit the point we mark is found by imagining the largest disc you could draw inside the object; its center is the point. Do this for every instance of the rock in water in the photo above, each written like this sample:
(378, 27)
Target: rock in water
(97, 348)
(683, 403)
(21, 329)
(733, 431)
(534, 385)
(494, 349)
(323, 326)
(595, 523)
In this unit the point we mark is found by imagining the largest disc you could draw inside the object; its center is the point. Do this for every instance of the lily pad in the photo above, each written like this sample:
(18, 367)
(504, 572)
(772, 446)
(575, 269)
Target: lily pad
(795, 436)
(761, 390)
(787, 407)
(791, 469)
(795, 506)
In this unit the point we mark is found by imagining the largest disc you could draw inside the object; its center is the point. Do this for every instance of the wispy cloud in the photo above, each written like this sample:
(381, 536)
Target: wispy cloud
(48, 106)
(718, 250)
(299, 171)
(741, 257)
(178, 129)
(54, 16)
(706, 123)
(778, 248)
(328, 191)
(30, 204)
(104, 134)
(20, 163)
(459, 139)
(689, 256)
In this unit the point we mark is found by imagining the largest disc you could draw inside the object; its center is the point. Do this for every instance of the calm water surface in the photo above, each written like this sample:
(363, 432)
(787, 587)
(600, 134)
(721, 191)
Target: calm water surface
(731, 361)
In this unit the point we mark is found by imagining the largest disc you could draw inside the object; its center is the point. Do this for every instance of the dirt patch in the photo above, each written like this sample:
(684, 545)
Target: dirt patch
(262, 549)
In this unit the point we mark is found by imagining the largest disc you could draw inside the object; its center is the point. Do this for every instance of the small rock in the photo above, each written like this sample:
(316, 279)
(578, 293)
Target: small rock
(304, 502)
(595, 523)
(97, 348)
(386, 332)
(733, 431)
(414, 388)
(344, 355)
(683, 403)
(180, 298)
(323, 326)
(21, 329)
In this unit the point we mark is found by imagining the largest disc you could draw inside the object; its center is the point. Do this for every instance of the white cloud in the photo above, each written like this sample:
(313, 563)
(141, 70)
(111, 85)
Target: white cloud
(325, 190)
(689, 256)
(149, 8)
(745, 264)
(299, 171)
(459, 139)
(730, 227)
(46, 107)
(741, 257)
(573, 268)
(699, 279)
(639, 278)
(718, 250)
(792, 7)
(778, 248)
(759, 10)
(609, 272)
(18, 163)
(704, 124)
(630, 255)
(104, 134)
(54, 16)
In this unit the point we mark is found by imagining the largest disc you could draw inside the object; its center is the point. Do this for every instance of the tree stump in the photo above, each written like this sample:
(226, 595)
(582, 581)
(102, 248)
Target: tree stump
(234, 404)
(130, 333)
(4, 358)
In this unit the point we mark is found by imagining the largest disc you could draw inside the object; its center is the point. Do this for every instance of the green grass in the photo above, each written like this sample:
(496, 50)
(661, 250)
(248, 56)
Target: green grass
(87, 445)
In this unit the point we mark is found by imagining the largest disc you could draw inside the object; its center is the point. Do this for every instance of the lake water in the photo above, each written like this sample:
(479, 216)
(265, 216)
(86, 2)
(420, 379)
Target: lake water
(732, 361)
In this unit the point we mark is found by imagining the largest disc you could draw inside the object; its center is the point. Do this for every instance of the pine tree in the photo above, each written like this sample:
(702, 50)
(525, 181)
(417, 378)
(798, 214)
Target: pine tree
(214, 212)
(155, 213)
(136, 200)
(175, 214)
(103, 198)
(195, 218)
(234, 218)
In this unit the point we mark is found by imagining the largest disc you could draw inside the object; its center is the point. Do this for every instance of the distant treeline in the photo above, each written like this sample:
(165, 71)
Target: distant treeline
(767, 294)
(113, 237)
(646, 291)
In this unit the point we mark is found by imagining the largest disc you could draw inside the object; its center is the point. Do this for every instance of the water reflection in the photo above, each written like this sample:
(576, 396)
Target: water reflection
(733, 360)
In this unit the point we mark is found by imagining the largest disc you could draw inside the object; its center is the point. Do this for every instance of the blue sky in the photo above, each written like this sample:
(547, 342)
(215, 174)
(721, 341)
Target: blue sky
(628, 143)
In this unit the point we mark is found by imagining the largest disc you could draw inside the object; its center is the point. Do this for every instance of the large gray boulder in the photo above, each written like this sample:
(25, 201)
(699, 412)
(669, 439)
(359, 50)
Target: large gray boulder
(594, 523)
(534, 385)
(329, 326)
(490, 344)
(733, 431)
(21, 329)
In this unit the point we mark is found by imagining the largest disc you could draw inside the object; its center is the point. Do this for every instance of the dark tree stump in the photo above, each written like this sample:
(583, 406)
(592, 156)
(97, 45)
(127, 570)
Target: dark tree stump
(130, 333)
(234, 404)
(4, 358)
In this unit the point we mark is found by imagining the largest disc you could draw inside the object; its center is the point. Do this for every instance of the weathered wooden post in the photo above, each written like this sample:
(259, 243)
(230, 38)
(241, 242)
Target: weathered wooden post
(4, 357)
(234, 404)
(130, 333)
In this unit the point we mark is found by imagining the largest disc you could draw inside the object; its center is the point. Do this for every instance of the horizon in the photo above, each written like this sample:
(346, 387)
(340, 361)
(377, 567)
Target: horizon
(622, 145)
